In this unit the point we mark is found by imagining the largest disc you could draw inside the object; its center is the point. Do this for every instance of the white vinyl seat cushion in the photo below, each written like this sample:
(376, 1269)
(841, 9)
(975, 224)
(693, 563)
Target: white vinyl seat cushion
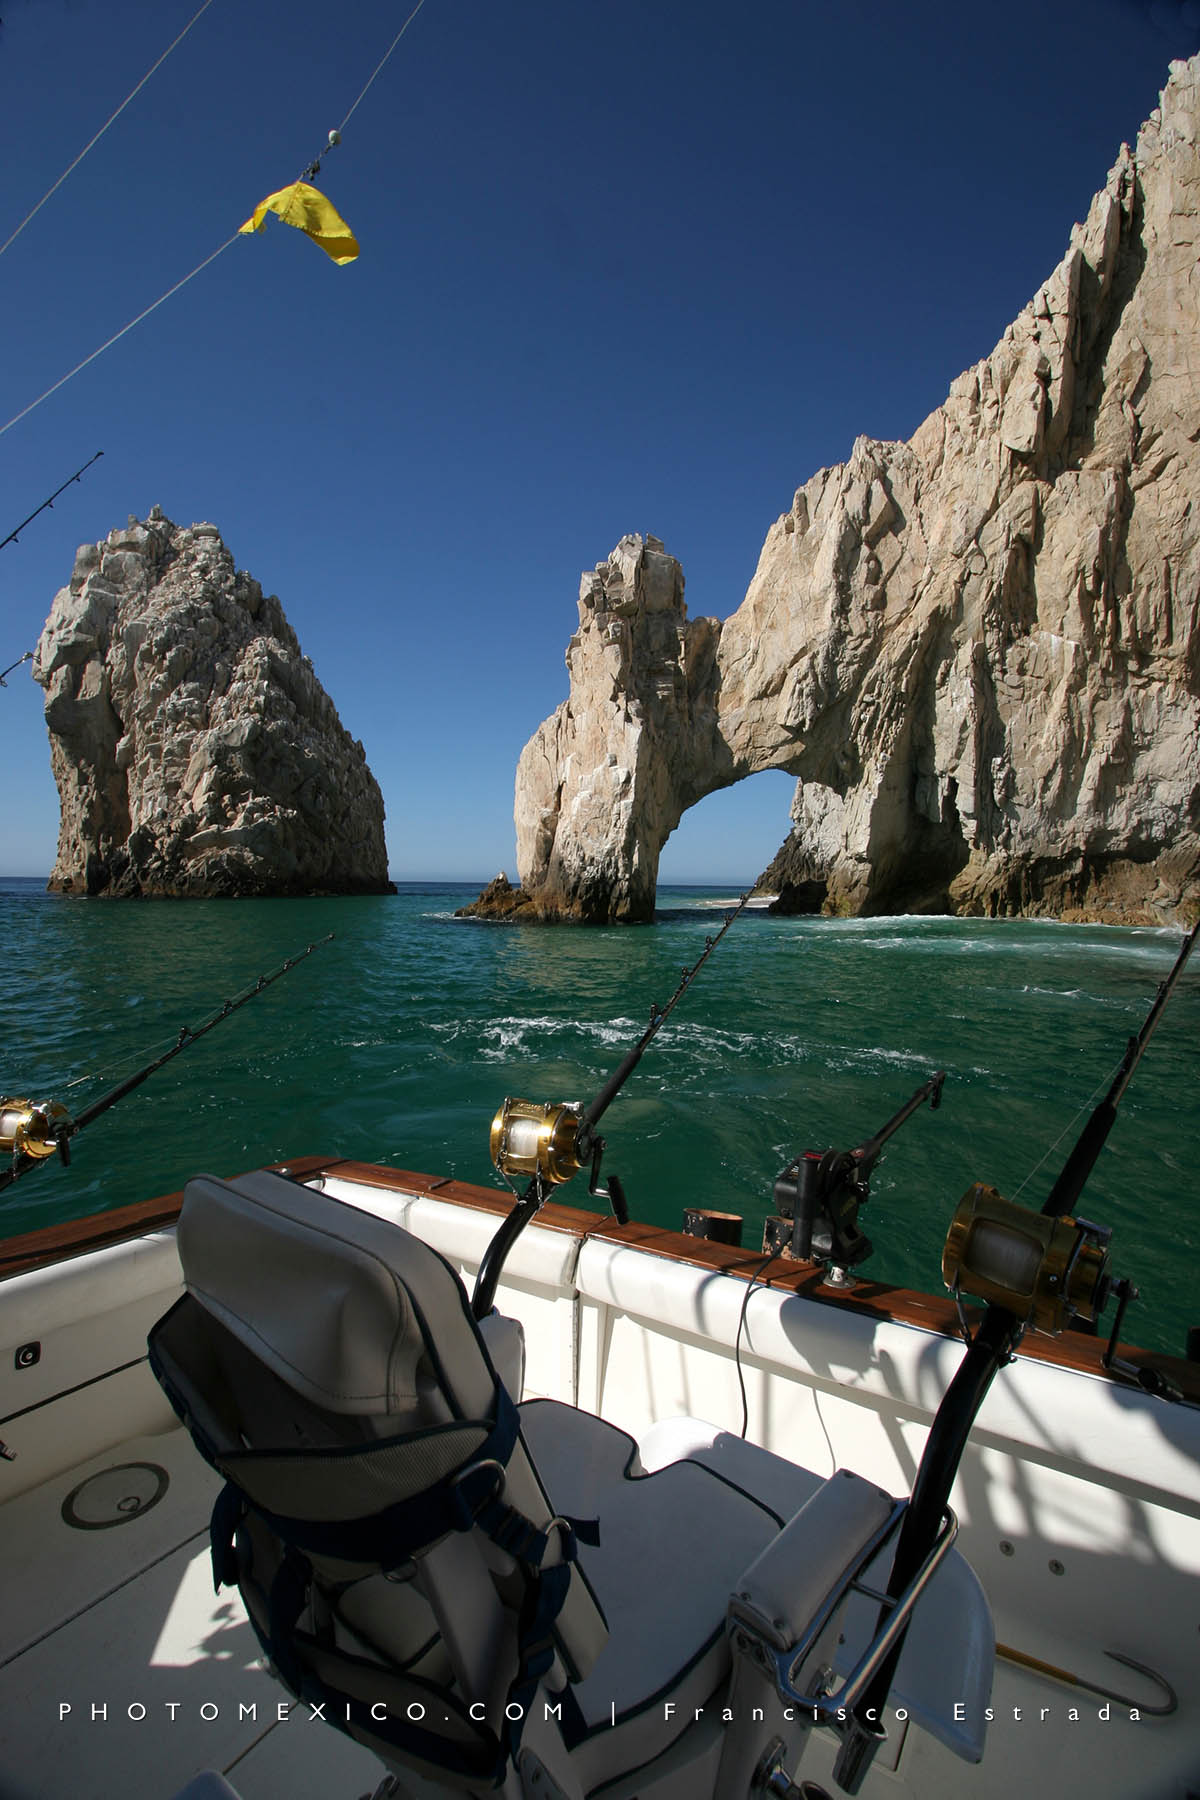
(944, 1675)
(672, 1545)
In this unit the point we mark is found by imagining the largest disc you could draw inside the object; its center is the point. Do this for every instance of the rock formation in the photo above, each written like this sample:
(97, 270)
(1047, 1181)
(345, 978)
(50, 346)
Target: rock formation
(499, 900)
(978, 651)
(608, 777)
(195, 752)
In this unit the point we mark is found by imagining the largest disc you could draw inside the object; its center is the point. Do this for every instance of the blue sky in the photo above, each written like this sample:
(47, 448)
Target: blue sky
(627, 265)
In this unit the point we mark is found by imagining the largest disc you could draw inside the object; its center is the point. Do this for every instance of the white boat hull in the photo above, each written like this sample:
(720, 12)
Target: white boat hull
(1078, 1500)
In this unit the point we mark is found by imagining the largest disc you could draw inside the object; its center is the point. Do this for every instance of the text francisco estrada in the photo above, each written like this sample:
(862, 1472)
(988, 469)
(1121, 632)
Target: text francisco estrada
(364, 1713)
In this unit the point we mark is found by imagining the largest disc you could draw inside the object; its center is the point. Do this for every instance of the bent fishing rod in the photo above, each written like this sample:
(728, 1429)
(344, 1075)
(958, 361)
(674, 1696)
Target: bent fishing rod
(1042, 1271)
(549, 1143)
(33, 1131)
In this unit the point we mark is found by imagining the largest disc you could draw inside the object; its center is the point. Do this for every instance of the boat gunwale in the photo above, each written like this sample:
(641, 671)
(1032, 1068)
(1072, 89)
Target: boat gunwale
(50, 1244)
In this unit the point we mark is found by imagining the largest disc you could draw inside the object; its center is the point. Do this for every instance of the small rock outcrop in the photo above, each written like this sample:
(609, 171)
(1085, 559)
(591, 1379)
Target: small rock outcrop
(195, 752)
(499, 900)
(978, 651)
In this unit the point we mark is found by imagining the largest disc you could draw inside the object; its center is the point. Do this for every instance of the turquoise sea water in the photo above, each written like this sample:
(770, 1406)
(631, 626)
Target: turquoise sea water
(396, 1042)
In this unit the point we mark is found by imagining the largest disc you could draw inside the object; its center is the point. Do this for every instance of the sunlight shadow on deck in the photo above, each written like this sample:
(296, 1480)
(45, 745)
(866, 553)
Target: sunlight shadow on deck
(125, 1673)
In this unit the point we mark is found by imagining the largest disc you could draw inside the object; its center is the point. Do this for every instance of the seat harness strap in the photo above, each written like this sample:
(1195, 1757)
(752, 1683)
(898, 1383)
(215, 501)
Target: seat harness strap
(468, 1497)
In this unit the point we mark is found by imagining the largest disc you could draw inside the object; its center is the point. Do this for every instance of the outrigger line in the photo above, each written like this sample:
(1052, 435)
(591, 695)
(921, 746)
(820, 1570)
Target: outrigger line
(552, 1142)
(299, 203)
(33, 1132)
(111, 120)
(13, 535)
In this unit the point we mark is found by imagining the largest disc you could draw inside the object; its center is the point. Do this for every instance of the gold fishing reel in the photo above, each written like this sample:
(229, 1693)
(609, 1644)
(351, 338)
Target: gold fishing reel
(531, 1138)
(32, 1128)
(1048, 1271)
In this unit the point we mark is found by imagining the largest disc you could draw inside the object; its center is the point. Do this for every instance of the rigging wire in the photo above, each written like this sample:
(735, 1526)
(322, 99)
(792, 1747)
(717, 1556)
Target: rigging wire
(132, 95)
(200, 267)
(312, 170)
(117, 335)
(383, 59)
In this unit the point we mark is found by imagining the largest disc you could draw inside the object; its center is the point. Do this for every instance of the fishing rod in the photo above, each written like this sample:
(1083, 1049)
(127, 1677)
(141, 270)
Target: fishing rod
(32, 1131)
(28, 657)
(13, 535)
(1082, 1159)
(551, 1142)
(1041, 1270)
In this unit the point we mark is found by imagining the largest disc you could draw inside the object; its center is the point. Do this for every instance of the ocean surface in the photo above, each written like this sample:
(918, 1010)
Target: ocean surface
(397, 1041)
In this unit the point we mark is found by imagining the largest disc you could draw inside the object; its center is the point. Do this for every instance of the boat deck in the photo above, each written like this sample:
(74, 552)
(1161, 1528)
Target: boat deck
(121, 1672)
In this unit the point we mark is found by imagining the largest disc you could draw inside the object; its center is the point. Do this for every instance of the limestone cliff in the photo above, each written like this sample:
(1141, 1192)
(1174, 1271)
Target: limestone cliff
(978, 651)
(195, 752)
(602, 783)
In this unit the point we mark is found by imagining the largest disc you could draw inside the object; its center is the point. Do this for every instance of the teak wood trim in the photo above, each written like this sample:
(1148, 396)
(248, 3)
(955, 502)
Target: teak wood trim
(879, 1300)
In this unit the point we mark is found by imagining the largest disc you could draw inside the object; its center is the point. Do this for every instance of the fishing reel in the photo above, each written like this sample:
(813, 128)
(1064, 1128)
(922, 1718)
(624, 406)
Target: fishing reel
(529, 1138)
(550, 1142)
(818, 1196)
(36, 1129)
(1050, 1272)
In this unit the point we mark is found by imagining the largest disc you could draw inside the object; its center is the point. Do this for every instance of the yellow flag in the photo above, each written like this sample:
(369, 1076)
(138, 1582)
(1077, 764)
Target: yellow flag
(309, 211)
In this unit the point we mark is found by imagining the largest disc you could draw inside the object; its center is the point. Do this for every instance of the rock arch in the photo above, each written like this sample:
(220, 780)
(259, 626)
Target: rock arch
(978, 651)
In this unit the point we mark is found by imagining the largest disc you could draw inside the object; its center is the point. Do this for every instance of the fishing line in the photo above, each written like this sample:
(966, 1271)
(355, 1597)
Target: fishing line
(1082, 1159)
(132, 95)
(135, 1057)
(1104, 1082)
(551, 1142)
(33, 1132)
(189, 1032)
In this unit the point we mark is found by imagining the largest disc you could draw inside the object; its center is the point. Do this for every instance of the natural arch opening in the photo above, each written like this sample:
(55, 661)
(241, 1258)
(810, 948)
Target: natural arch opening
(731, 836)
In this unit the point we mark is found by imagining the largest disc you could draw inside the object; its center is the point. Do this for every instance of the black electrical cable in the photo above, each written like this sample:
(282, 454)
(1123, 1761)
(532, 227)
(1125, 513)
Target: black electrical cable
(754, 1281)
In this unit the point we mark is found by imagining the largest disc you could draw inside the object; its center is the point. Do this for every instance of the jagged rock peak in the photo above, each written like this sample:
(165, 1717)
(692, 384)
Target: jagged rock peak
(194, 749)
(978, 651)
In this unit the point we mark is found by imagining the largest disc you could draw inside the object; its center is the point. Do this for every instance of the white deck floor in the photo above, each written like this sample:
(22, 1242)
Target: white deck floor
(1079, 1508)
(108, 1622)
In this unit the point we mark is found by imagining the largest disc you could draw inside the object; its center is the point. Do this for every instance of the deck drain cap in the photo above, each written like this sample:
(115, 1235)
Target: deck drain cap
(115, 1496)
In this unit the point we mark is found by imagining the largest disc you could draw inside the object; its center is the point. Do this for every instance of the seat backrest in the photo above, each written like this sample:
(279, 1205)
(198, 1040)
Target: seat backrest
(390, 1524)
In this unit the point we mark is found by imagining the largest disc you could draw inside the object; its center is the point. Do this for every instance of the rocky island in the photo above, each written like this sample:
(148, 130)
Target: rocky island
(194, 750)
(978, 651)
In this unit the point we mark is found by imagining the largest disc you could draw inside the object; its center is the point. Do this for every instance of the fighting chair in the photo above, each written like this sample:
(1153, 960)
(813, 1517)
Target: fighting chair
(502, 1599)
